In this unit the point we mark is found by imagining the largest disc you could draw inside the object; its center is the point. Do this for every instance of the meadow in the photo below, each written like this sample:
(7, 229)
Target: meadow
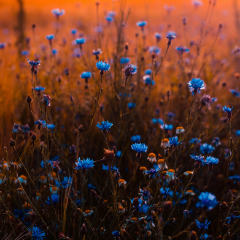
(119, 120)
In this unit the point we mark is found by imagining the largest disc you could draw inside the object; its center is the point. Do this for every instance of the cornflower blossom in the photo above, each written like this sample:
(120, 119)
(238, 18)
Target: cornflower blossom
(54, 199)
(124, 60)
(166, 192)
(57, 12)
(182, 50)
(37, 233)
(84, 164)
(231, 218)
(65, 183)
(46, 100)
(139, 147)
(174, 141)
(202, 225)
(158, 36)
(145, 195)
(104, 126)
(206, 101)
(86, 76)
(206, 148)
(129, 70)
(238, 133)
(141, 24)
(50, 37)
(195, 141)
(116, 234)
(216, 141)
(207, 200)
(102, 66)
(80, 42)
(200, 159)
(196, 85)
(235, 92)
(106, 168)
(170, 36)
(151, 173)
(228, 110)
(136, 138)
(16, 128)
(197, 3)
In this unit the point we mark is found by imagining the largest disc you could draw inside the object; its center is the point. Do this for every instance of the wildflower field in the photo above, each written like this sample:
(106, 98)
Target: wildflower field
(120, 120)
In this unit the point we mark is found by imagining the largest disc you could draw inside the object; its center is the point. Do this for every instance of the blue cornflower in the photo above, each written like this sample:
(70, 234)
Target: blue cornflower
(131, 105)
(141, 24)
(202, 225)
(216, 141)
(16, 128)
(212, 160)
(228, 110)
(24, 52)
(2, 45)
(167, 126)
(54, 51)
(235, 92)
(90, 186)
(238, 133)
(136, 138)
(34, 63)
(174, 141)
(158, 36)
(139, 147)
(106, 168)
(84, 164)
(65, 183)
(144, 194)
(154, 49)
(143, 208)
(50, 37)
(231, 219)
(116, 233)
(214, 99)
(186, 213)
(151, 173)
(104, 125)
(37, 233)
(55, 199)
(236, 178)
(197, 3)
(97, 52)
(109, 18)
(80, 41)
(205, 237)
(207, 200)
(39, 89)
(206, 148)
(195, 140)
(73, 31)
(124, 60)
(182, 50)
(147, 80)
(166, 192)
(118, 154)
(198, 158)
(171, 35)
(196, 85)
(148, 72)
(47, 100)
(129, 70)
(86, 75)
(57, 12)
(103, 66)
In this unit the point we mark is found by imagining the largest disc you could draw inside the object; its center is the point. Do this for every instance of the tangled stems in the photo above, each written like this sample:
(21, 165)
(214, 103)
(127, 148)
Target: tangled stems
(179, 199)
